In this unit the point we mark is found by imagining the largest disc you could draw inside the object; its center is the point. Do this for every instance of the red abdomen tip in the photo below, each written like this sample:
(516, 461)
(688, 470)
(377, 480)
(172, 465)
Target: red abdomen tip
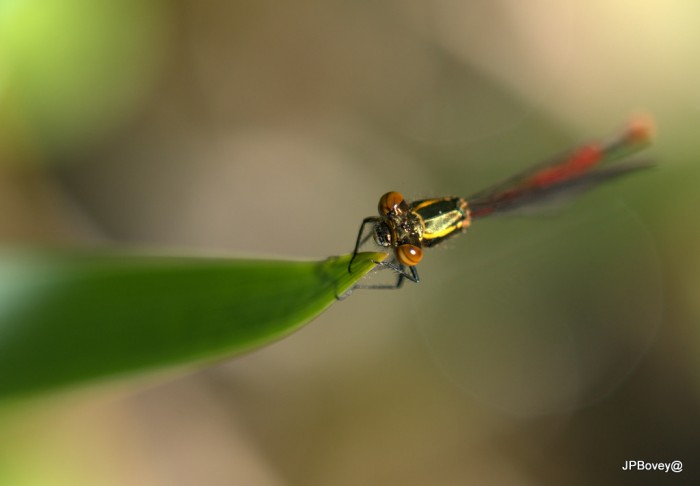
(641, 129)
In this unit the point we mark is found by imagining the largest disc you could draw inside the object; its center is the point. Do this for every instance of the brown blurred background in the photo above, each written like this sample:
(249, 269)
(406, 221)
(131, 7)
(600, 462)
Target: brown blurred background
(537, 350)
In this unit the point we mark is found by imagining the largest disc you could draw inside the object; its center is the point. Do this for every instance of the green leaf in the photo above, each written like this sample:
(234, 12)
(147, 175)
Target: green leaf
(66, 319)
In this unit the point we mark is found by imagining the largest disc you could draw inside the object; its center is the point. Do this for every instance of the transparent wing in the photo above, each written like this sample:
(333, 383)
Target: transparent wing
(542, 315)
(566, 175)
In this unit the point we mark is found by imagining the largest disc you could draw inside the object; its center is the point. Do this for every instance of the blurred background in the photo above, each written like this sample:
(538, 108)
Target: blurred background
(544, 349)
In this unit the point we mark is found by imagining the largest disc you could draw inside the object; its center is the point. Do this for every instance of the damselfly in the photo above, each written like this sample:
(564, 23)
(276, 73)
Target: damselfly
(408, 227)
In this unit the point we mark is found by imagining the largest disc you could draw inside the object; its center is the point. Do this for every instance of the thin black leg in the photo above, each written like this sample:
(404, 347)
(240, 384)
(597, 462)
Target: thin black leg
(360, 240)
(401, 270)
(403, 275)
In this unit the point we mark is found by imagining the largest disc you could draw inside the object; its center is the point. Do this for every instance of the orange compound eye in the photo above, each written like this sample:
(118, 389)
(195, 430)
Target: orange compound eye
(389, 202)
(409, 255)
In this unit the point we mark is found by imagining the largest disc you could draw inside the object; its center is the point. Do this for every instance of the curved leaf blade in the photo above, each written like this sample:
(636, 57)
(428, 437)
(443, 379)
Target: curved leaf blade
(70, 319)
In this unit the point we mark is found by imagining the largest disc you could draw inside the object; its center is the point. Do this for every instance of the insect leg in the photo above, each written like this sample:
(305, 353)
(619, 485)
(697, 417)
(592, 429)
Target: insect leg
(360, 240)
